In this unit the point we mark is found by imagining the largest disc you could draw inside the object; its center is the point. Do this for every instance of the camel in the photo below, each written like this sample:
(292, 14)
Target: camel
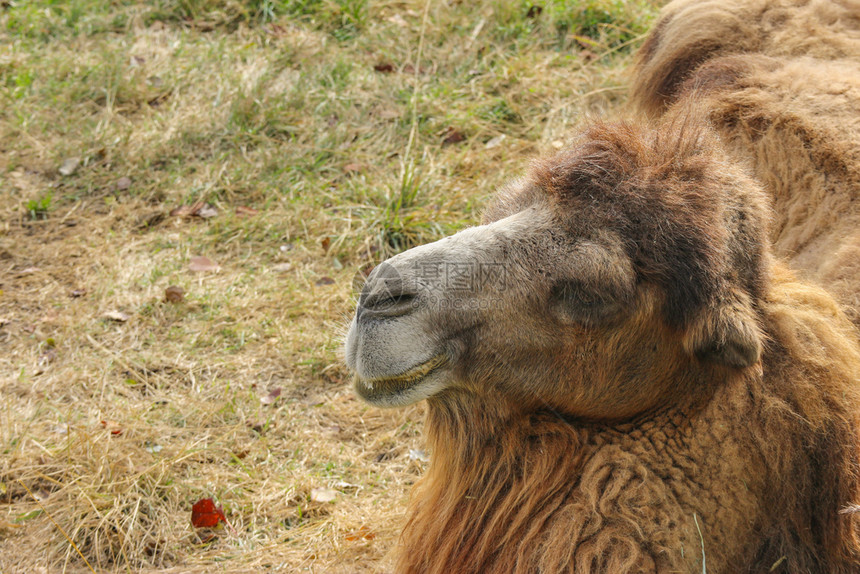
(780, 81)
(619, 374)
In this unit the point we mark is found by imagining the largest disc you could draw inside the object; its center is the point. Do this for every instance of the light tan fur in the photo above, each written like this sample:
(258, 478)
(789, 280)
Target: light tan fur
(691, 32)
(786, 103)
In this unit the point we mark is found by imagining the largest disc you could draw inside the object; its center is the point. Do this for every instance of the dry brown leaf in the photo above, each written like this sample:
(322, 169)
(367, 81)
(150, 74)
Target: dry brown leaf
(206, 211)
(276, 30)
(495, 142)
(388, 114)
(364, 533)
(587, 55)
(174, 294)
(410, 69)
(326, 243)
(271, 397)
(47, 357)
(122, 184)
(323, 494)
(202, 264)
(187, 210)
(182, 210)
(117, 316)
(398, 20)
(69, 166)
(453, 136)
(245, 210)
(259, 426)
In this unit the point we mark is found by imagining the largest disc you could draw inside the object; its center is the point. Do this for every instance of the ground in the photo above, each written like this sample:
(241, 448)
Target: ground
(291, 144)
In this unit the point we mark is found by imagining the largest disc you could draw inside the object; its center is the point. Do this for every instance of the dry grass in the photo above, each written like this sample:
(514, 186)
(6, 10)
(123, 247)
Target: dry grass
(319, 117)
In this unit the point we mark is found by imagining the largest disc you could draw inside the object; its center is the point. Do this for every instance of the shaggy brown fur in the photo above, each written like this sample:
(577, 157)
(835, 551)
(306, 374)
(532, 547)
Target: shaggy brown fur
(795, 120)
(691, 32)
(742, 436)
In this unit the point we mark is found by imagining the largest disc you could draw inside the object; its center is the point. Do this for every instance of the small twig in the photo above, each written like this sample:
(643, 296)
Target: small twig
(140, 371)
(601, 90)
(60, 528)
(71, 211)
(617, 48)
(475, 32)
(702, 540)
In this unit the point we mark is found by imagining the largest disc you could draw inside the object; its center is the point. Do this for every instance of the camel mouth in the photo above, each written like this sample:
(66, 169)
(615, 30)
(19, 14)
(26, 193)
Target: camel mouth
(401, 389)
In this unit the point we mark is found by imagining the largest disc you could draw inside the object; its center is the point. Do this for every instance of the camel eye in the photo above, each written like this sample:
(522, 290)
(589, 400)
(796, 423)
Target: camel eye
(584, 304)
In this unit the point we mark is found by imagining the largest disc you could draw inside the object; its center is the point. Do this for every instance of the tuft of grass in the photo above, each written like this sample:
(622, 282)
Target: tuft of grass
(562, 24)
(38, 208)
(322, 140)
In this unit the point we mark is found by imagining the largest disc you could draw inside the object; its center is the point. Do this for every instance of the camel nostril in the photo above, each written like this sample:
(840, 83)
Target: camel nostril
(387, 293)
(386, 304)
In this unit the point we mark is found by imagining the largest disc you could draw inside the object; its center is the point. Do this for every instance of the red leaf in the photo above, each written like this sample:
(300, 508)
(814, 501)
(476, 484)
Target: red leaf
(204, 514)
(112, 426)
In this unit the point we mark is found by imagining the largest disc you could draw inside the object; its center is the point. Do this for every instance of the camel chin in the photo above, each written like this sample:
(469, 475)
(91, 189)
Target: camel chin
(420, 382)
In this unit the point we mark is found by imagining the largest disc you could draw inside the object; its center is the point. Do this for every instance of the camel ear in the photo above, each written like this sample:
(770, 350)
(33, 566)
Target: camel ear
(727, 332)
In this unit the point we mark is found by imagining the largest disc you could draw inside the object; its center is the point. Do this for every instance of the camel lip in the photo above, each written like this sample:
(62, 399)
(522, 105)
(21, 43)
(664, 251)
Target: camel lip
(392, 390)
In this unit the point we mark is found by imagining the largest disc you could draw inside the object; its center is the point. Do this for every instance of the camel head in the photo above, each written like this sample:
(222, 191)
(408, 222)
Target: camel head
(598, 284)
